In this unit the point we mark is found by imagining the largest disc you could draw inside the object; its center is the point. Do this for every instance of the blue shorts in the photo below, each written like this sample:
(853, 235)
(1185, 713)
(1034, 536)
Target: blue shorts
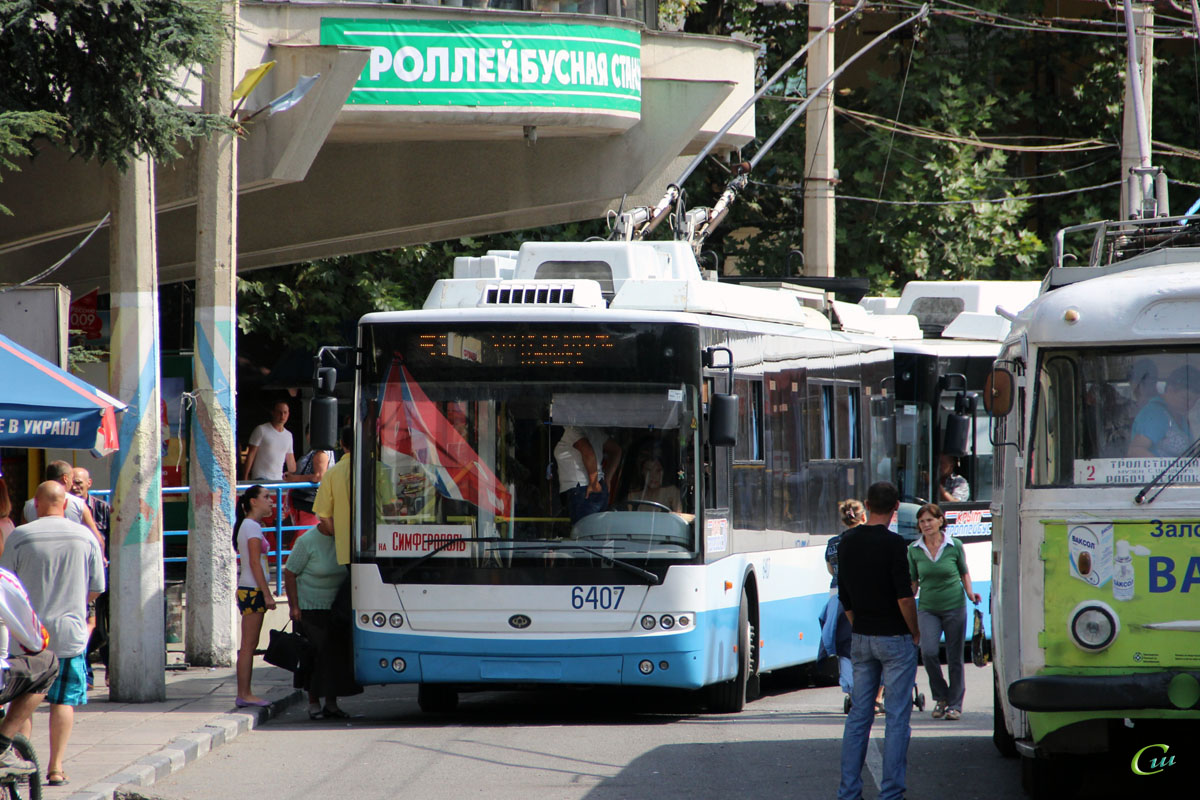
(71, 687)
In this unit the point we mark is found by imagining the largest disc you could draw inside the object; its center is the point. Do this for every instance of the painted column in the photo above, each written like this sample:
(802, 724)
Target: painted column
(819, 173)
(211, 580)
(138, 649)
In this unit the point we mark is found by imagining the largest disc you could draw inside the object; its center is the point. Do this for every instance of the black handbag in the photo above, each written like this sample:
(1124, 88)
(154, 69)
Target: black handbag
(286, 649)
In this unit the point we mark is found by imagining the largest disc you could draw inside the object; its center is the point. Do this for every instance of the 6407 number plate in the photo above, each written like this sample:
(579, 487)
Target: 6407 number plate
(607, 598)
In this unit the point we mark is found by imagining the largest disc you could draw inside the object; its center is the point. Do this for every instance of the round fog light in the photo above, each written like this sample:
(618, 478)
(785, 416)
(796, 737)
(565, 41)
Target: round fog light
(664, 665)
(395, 620)
(667, 621)
(648, 622)
(646, 667)
(364, 619)
(683, 621)
(1093, 626)
(383, 663)
(379, 619)
(398, 664)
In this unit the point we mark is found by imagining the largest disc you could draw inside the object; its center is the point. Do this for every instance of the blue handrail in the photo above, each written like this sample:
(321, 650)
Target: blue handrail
(278, 552)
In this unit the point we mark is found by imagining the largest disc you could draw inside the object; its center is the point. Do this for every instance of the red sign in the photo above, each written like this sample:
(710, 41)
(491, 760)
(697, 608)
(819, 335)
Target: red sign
(84, 316)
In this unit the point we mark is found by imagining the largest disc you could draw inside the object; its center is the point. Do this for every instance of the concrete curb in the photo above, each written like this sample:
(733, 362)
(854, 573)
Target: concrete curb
(183, 750)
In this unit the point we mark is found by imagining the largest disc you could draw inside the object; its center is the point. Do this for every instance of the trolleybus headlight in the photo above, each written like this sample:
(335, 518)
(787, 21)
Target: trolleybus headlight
(648, 622)
(379, 619)
(395, 620)
(399, 664)
(667, 621)
(684, 620)
(646, 667)
(1093, 625)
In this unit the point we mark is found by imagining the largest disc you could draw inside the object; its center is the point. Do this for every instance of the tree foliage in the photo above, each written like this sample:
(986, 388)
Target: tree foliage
(108, 77)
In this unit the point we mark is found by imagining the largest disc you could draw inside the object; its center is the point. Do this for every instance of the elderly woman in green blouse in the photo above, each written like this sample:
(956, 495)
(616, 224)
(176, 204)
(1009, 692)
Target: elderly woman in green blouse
(937, 566)
(312, 578)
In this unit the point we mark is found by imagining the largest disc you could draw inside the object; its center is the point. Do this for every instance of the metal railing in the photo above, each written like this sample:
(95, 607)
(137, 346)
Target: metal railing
(276, 554)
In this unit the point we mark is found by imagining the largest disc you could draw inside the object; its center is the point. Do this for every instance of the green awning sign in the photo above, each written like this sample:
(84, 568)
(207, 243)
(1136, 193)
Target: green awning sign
(493, 64)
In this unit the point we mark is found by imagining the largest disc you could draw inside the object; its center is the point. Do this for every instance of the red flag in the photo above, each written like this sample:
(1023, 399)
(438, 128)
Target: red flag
(410, 423)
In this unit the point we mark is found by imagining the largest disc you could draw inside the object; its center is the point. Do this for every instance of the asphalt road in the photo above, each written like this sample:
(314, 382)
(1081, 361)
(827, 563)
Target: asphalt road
(593, 745)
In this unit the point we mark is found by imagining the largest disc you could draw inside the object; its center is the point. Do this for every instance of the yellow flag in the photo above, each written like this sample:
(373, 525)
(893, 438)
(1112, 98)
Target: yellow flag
(250, 80)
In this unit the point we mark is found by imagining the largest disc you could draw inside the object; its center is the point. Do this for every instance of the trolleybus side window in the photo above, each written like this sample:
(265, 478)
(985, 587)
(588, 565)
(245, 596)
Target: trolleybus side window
(1055, 423)
(750, 413)
(847, 404)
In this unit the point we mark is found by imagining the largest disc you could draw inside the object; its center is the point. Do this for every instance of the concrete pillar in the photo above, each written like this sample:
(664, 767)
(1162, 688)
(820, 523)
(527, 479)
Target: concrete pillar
(138, 650)
(211, 579)
(818, 148)
(1131, 155)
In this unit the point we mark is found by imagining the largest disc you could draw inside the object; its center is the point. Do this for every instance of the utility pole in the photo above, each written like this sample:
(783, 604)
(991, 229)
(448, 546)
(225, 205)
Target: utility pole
(1131, 153)
(819, 174)
(210, 628)
(135, 535)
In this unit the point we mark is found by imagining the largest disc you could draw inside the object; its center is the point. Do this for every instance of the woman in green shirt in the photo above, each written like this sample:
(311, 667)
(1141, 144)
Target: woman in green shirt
(312, 578)
(937, 566)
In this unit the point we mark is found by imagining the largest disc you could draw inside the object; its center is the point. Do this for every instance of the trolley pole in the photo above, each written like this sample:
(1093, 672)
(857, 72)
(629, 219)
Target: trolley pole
(819, 172)
(135, 534)
(210, 619)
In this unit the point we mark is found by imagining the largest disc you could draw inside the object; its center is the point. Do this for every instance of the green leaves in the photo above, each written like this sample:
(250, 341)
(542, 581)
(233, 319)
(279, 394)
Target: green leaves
(111, 73)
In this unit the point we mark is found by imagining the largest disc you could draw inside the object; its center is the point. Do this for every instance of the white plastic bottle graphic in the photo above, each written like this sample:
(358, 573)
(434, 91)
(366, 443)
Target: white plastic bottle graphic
(1122, 581)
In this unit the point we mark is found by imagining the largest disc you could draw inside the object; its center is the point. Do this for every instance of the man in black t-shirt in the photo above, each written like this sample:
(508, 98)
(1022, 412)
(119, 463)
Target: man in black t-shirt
(874, 587)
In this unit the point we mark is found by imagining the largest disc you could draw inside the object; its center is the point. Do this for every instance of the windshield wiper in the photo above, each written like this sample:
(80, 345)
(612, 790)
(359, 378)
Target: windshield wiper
(1183, 460)
(644, 574)
(633, 569)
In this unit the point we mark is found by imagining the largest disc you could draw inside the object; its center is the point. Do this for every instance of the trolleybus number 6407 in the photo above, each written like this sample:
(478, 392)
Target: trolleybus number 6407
(597, 597)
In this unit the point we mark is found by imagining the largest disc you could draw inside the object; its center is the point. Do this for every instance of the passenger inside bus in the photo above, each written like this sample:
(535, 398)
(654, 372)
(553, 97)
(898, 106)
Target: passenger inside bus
(589, 462)
(648, 488)
(952, 487)
(1162, 428)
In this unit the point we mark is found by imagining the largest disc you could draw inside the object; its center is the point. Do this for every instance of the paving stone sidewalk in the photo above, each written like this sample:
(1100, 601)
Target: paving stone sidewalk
(116, 744)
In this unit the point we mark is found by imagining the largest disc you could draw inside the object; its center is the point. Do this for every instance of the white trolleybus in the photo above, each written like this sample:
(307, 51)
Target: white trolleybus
(584, 464)
(943, 356)
(1095, 576)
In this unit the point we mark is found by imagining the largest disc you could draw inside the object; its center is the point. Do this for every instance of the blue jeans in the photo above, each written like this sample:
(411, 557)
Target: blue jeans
(580, 504)
(952, 623)
(894, 660)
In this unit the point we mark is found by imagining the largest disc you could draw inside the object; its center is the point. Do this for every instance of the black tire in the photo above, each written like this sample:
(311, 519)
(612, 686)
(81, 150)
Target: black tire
(1005, 742)
(25, 787)
(729, 697)
(434, 698)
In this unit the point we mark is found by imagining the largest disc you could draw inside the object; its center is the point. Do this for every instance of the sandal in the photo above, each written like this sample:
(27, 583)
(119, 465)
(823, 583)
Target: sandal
(334, 713)
(318, 714)
(879, 709)
(57, 778)
(953, 714)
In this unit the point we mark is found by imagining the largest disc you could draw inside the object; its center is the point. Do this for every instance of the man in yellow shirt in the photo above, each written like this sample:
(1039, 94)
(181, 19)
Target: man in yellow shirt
(334, 503)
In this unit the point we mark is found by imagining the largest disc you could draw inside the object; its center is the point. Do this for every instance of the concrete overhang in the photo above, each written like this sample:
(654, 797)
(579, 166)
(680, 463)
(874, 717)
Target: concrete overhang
(329, 177)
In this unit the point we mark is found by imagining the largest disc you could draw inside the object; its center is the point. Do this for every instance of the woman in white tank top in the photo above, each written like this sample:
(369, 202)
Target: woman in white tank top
(254, 595)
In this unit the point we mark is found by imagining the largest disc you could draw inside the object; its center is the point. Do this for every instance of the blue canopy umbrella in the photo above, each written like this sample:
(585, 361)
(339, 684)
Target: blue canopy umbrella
(44, 406)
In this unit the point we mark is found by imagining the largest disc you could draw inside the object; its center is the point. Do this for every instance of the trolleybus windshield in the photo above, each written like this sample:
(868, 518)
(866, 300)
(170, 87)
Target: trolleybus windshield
(1111, 417)
(542, 447)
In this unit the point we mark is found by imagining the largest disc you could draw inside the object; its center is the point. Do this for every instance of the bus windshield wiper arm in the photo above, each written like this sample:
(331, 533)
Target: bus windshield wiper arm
(407, 568)
(633, 569)
(644, 574)
(1181, 462)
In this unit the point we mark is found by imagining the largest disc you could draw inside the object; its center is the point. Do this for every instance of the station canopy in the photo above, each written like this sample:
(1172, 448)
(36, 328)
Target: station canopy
(44, 406)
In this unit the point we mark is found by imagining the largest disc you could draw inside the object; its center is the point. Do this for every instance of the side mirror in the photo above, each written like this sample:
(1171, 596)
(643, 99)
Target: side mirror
(723, 420)
(957, 435)
(323, 427)
(998, 392)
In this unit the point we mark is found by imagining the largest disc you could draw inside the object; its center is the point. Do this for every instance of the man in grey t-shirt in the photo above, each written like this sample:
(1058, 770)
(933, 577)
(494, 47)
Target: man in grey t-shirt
(60, 564)
(76, 510)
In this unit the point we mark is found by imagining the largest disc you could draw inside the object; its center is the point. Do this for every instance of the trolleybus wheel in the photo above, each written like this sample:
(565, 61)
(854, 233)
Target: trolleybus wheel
(1003, 740)
(435, 699)
(13, 787)
(729, 697)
